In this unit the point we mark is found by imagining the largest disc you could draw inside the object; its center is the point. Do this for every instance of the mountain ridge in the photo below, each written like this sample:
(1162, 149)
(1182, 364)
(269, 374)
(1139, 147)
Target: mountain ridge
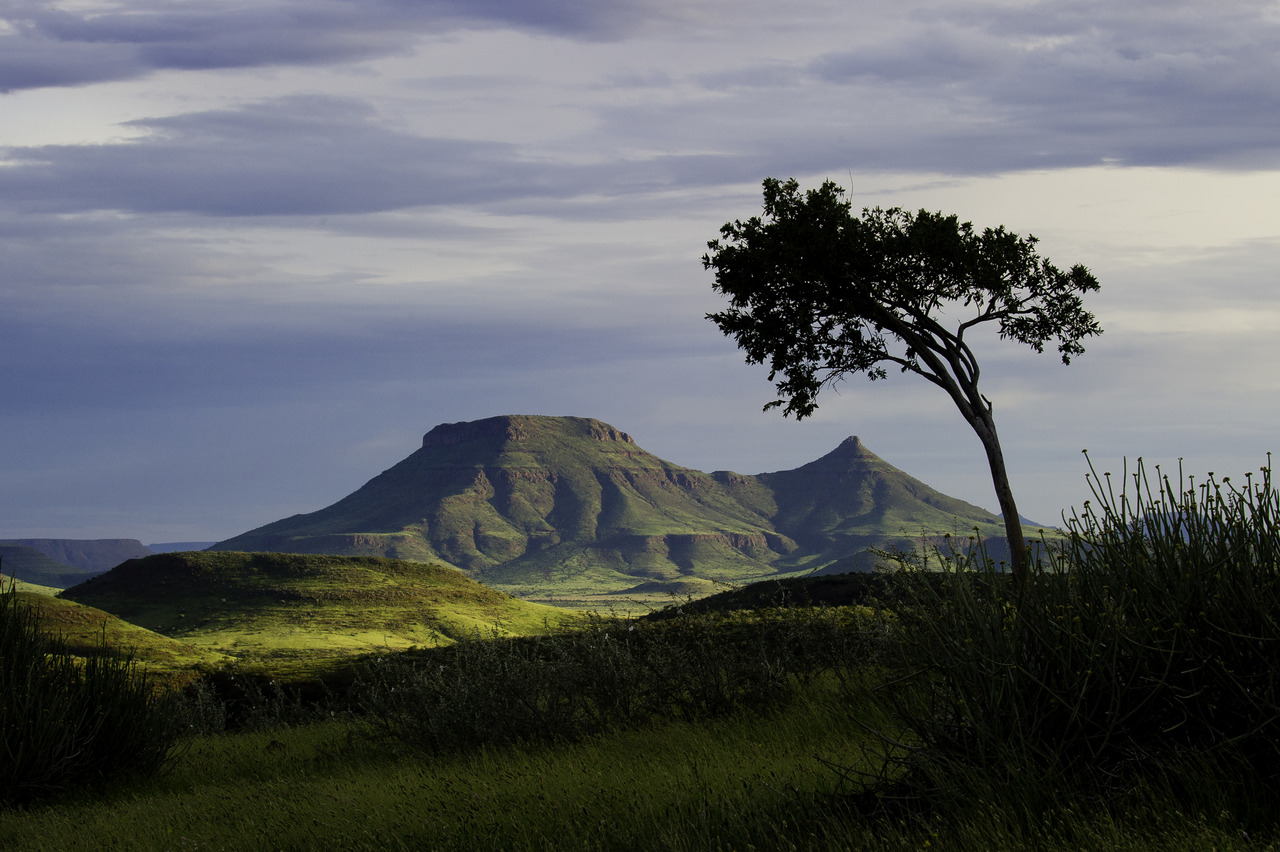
(93, 555)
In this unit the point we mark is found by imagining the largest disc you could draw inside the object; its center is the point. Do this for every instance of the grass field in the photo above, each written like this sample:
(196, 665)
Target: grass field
(1125, 698)
(293, 616)
(748, 781)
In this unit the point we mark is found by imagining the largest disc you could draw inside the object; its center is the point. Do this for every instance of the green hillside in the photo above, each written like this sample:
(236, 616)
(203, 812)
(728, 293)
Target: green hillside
(554, 507)
(851, 499)
(282, 608)
(538, 504)
(87, 630)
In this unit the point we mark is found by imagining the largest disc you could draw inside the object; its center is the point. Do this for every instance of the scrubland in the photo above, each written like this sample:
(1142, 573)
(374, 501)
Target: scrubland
(1124, 697)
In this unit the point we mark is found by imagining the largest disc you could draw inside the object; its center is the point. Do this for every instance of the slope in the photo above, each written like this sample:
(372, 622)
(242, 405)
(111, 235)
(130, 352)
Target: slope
(280, 607)
(27, 563)
(86, 631)
(555, 507)
(538, 503)
(93, 555)
(851, 499)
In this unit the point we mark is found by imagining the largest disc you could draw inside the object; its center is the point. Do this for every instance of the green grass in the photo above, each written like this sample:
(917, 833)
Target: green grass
(84, 630)
(294, 614)
(68, 719)
(746, 781)
(791, 773)
(631, 790)
(1124, 698)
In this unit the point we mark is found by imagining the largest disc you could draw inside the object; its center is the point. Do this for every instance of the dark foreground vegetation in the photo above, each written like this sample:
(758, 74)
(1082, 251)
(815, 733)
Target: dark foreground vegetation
(1123, 697)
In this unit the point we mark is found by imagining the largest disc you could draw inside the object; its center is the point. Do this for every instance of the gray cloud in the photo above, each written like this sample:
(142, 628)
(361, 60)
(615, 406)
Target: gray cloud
(55, 47)
(302, 155)
(224, 308)
(1059, 83)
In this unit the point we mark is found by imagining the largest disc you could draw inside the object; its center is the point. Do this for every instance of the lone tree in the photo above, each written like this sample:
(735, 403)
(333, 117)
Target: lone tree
(819, 294)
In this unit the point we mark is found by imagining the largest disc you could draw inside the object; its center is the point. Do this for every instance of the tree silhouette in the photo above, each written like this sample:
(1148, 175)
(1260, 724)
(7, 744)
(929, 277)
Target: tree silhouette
(819, 293)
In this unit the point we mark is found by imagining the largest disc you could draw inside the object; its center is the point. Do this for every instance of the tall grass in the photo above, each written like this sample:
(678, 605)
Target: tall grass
(1144, 650)
(66, 720)
(610, 674)
(737, 782)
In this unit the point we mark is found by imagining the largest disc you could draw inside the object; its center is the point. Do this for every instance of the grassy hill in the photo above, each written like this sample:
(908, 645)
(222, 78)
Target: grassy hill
(554, 507)
(87, 630)
(294, 610)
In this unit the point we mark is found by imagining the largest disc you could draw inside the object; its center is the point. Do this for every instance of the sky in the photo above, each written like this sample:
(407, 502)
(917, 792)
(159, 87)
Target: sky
(251, 252)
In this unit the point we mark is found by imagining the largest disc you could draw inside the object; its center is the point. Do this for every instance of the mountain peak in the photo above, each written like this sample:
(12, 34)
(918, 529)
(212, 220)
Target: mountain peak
(850, 452)
(519, 428)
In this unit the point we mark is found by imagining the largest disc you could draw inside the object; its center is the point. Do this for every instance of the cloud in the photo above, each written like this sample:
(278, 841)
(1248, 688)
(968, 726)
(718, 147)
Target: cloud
(1077, 83)
(300, 155)
(43, 46)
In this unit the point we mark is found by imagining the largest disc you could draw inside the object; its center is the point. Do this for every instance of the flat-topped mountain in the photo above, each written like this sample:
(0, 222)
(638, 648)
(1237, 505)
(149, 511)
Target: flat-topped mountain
(570, 505)
(91, 555)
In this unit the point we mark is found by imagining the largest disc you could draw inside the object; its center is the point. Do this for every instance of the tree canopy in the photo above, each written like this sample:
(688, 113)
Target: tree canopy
(817, 294)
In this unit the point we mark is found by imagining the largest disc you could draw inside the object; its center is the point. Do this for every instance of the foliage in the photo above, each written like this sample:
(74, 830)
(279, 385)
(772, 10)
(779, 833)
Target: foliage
(1148, 641)
(738, 775)
(66, 720)
(819, 294)
(742, 781)
(608, 675)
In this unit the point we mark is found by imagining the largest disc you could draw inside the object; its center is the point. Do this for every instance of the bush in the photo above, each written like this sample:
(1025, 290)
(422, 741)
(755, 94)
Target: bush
(610, 674)
(66, 720)
(1149, 637)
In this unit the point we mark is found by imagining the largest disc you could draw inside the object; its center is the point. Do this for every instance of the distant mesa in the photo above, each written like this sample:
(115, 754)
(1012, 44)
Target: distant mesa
(538, 506)
(517, 428)
(63, 562)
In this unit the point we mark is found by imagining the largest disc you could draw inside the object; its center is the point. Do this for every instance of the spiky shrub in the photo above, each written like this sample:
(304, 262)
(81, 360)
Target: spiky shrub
(66, 720)
(1150, 636)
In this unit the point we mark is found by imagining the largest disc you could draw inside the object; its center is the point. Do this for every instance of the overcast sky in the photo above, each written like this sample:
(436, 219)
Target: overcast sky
(250, 252)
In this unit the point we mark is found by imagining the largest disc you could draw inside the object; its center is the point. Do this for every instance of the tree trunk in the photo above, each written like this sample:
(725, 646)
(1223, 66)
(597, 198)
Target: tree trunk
(1019, 557)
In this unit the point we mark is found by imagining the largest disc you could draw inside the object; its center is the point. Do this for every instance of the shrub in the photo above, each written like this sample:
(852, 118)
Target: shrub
(66, 720)
(1149, 637)
(610, 674)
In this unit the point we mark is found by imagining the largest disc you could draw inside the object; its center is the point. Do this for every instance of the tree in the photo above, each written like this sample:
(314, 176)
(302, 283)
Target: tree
(820, 294)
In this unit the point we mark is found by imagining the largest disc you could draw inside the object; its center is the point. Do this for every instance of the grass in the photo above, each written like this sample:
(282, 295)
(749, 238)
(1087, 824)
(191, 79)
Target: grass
(297, 615)
(739, 782)
(1143, 652)
(86, 630)
(629, 790)
(67, 719)
(1125, 698)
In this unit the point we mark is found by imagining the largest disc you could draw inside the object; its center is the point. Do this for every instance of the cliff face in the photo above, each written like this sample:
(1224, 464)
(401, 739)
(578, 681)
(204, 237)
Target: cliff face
(525, 502)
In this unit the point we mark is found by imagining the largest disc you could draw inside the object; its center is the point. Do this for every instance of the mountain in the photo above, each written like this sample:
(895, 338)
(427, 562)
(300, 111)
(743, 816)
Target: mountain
(91, 555)
(29, 564)
(572, 506)
(849, 500)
